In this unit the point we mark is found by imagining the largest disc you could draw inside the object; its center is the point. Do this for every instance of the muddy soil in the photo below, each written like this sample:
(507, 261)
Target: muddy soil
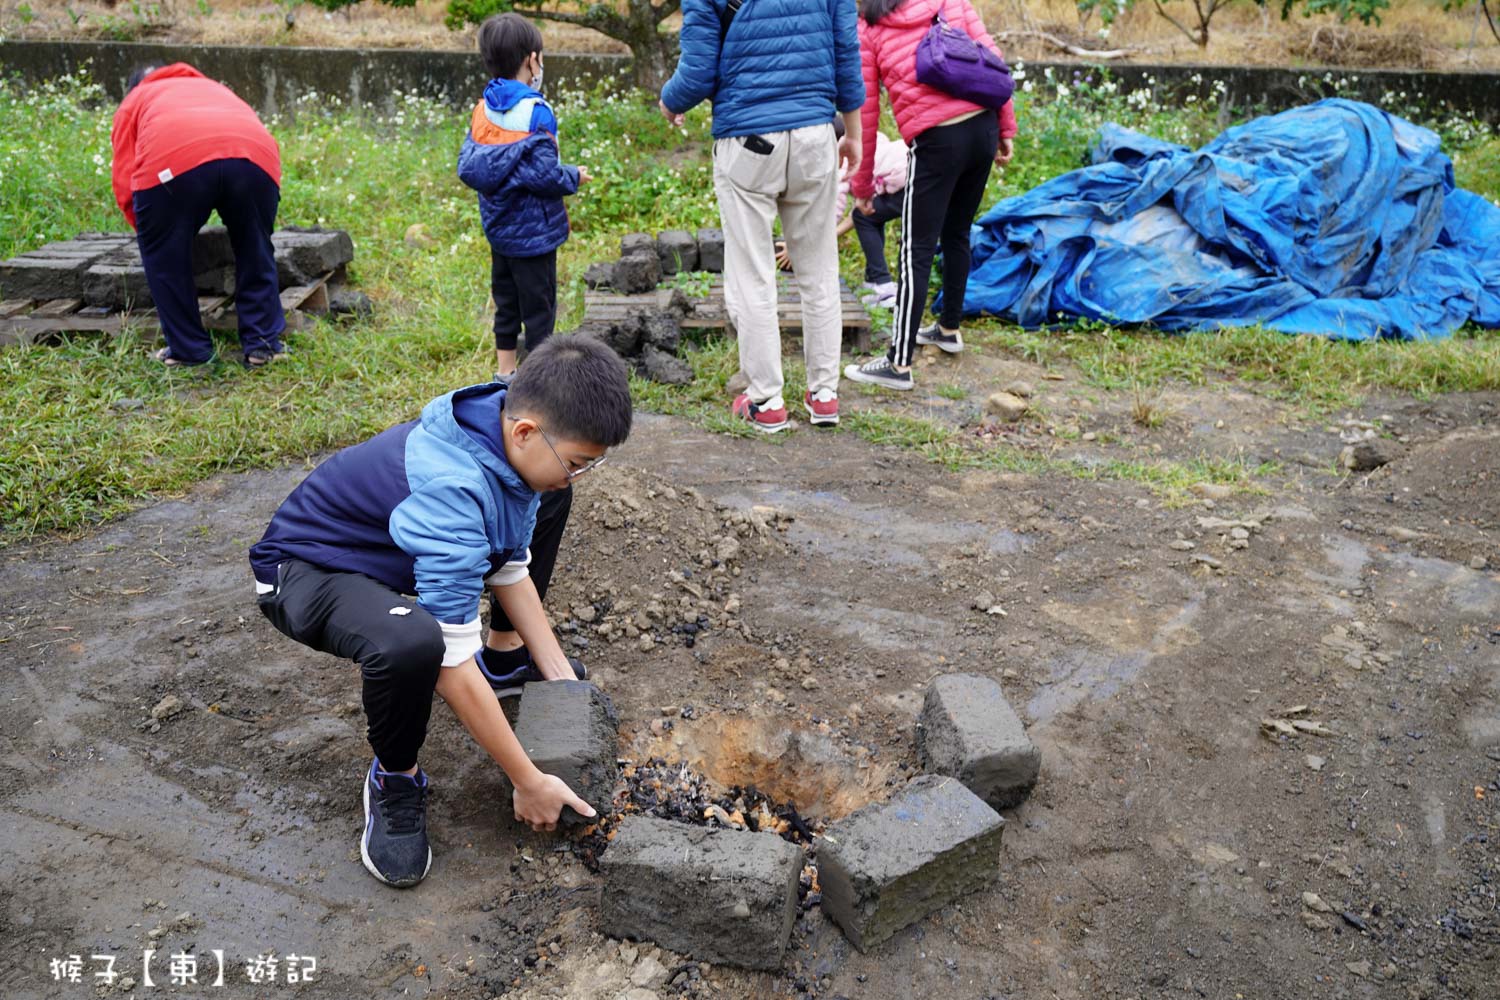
(769, 612)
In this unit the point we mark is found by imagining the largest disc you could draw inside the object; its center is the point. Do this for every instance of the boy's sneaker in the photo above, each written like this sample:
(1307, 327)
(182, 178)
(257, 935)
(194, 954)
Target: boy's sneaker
(394, 845)
(508, 679)
(934, 335)
(504, 379)
(879, 372)
(882, 293)
(822, 408)
(769, 416)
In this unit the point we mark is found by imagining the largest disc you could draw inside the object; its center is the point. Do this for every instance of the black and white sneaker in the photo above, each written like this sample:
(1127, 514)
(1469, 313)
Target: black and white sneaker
(879, 372)
(934, 335)
(509, 672)
(394, 845)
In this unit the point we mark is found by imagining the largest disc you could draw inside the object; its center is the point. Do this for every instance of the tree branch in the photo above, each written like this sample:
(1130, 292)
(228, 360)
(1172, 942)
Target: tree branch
(603, 21)
(666, 10)
(1175, 23)
(1075, 50)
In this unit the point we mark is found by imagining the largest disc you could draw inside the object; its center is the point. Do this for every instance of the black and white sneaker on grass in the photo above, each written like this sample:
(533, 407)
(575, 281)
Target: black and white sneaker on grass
(394, 845)
(879, 372)
(937, 337)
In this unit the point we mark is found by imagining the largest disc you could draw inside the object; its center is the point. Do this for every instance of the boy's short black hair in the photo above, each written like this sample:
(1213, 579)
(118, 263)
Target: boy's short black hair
(576, 388)
(505, 40)
(140, 73)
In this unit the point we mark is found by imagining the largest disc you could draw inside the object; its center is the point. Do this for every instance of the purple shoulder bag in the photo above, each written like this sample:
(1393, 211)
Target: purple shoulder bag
(950, 61)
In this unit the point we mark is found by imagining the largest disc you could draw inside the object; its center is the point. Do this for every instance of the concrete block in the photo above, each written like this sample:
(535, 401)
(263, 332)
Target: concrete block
(305, 255)
(115, 286)
(661, 331)
(723, 896)
(677, 250)
(569, 728)
(33, 276)
(212, 249)
(599, 275)
(632, 243)
(637, 273)
(889, 865)
(968, 731)
(711, 250)
(668, 369)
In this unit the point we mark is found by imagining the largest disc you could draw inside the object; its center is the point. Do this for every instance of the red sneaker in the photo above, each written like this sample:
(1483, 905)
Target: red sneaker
(823, 408)
(762, 416)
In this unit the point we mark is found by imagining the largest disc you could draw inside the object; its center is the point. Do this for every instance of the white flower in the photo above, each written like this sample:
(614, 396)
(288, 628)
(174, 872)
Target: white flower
(1062, 92)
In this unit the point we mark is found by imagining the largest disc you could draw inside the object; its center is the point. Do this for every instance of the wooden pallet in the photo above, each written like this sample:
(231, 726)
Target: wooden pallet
(710, 316)
(26, 321)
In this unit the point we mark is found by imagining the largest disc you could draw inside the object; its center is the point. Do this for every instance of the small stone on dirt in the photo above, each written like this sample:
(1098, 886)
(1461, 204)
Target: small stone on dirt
(417, 238)
(1212, 491)
(1478, 563)
(649, 973)
(1006, 406)
(1366, 455)
(585, 613)
(1313, 922)
(169, 706)
(1314, 902)
(1314, 762)
(1208, 561)
(1019, 387)
(1181, 545)
(1360, 969)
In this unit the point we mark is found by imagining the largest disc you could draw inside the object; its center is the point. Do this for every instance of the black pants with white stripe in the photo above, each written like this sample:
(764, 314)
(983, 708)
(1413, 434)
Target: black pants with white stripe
(947, 169)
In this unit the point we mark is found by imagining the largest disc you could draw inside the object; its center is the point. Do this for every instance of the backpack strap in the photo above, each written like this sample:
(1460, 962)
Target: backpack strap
(726, 17)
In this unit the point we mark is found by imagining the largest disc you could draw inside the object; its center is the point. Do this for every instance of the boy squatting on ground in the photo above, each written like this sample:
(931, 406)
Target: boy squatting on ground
(472, 495)
(510, 157)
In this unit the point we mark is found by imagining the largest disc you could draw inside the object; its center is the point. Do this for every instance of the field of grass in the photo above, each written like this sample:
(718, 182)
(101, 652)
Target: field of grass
(93, 427)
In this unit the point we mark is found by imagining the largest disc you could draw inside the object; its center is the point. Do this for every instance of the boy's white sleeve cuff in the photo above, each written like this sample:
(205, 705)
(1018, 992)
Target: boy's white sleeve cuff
(511, 572)
(460, 642)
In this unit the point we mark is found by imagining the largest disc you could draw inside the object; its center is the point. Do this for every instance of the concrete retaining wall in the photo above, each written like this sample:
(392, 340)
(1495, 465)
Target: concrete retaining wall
(273, 77)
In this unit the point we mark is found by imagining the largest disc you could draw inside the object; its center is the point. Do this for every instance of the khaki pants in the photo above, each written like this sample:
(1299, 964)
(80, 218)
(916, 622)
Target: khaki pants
(797, 180)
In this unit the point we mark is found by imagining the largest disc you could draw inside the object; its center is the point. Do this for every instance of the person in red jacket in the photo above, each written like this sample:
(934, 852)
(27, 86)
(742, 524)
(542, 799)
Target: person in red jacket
(185, 146)
(952, 145)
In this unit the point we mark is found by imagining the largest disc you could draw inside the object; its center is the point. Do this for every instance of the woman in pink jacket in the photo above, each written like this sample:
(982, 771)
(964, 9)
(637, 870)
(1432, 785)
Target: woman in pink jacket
(952, 144)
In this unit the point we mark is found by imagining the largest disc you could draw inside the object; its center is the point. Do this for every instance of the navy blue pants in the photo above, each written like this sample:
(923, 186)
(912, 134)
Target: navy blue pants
(167, 220)
(871, 232)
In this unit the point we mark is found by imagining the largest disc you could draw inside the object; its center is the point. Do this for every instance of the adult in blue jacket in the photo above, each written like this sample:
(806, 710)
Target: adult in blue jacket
(777, 76)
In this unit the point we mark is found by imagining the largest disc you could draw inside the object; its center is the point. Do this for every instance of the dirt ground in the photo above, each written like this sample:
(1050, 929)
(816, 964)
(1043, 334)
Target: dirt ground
(1168, 850)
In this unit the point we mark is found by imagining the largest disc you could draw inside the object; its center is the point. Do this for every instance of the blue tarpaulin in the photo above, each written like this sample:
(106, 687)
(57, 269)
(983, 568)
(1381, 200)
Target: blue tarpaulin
(1335, 219)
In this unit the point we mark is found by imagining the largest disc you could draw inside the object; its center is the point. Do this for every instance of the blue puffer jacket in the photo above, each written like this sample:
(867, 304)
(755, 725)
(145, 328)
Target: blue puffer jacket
(785, 64)
(510, 157)
(430, 507)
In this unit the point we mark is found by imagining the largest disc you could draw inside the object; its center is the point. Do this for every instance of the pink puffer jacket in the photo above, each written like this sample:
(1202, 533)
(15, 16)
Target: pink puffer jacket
(888, 51)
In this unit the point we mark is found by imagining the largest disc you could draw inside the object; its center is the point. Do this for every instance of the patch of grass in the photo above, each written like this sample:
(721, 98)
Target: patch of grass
(1312, 372)
(954, 392)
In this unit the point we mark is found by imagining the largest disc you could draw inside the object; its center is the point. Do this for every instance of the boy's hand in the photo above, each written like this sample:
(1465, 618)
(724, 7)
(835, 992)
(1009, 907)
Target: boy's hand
(669, 114)
(539, 804)
(866, 206)
(584, 176)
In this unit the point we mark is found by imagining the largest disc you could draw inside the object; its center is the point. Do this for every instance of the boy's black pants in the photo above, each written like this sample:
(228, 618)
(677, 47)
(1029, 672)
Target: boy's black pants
(525, 293)
(871, 232)
(398, 645)
(167, 220)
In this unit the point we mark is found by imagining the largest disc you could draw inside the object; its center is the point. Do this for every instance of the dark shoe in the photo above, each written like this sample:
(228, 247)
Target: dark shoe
(504, 379)
(167, 358)
(263, 357)
(762, 416)
(952, 343)
(508, 672)
(879, 372)
(394, 846)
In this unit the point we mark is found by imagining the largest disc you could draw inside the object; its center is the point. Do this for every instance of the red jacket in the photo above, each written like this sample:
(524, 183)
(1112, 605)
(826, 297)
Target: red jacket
(177, 119)
(888, 50)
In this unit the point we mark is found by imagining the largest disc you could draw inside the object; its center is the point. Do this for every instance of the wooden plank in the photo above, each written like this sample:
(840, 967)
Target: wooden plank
(293, 298)
(209, 304)
(53, 308)
(13, 307)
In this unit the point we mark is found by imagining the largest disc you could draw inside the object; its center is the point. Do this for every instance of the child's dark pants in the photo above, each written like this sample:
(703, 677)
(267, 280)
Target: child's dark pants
(167, 220)
(525, 293)
(398, 645)
(871, 232)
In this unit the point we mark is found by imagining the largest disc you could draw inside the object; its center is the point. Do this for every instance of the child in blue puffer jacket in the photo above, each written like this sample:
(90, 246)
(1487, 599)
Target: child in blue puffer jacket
(510, 157)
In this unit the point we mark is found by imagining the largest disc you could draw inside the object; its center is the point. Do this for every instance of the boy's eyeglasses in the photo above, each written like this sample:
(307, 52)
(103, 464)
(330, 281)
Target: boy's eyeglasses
(572, 474)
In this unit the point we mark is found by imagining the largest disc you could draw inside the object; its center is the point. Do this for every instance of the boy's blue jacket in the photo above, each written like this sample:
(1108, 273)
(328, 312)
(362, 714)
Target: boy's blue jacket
(510, 157)
(785, 64)
(429, 507)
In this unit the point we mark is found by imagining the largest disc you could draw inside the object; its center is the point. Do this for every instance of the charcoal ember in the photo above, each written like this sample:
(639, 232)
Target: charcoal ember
(667, 369)
(661, 331)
